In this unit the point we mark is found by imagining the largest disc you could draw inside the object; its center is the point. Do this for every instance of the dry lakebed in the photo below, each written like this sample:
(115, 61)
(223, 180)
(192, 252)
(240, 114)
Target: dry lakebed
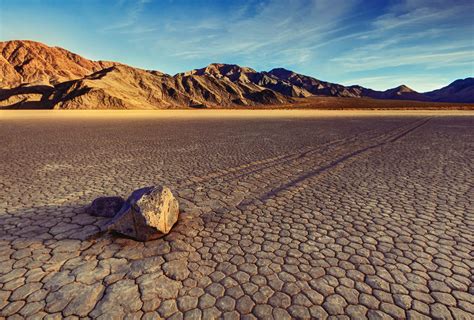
(283, 214)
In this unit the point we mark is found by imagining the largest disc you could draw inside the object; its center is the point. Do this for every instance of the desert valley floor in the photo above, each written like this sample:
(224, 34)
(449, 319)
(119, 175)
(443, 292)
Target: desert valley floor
(283, 214)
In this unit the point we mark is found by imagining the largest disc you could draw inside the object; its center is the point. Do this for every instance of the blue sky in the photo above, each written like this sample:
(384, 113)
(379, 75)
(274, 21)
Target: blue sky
(424, 44)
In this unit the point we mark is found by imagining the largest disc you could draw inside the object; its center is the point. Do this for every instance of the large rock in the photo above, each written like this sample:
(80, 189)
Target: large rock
(148, 213)
(106, 206)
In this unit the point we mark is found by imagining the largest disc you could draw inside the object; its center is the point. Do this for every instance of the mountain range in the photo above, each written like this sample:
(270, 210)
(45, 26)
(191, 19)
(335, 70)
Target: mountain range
(34, 75)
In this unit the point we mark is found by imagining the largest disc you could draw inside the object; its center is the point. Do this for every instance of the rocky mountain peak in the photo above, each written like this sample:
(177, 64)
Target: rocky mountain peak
(34, 75)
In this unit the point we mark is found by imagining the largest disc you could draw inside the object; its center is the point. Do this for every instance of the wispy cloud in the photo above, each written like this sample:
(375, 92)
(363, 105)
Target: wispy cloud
(333, 40)
(132, 11)
(330, 39)
(402, 57)
(418, 33)
(281, 30)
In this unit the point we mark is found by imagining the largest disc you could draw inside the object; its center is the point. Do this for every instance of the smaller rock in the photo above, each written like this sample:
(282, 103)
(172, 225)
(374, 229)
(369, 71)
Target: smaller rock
(106, 206)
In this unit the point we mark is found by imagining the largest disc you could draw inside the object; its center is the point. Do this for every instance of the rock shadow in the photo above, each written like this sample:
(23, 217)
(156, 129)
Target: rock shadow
(67, 222)
(47, 222)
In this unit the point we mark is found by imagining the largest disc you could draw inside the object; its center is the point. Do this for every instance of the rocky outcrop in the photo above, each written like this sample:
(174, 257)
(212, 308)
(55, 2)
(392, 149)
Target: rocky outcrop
(148, 213)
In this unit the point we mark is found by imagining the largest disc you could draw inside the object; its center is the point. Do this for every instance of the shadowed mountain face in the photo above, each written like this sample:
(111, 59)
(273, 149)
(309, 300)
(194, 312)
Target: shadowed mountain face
(293, 84)
(313, 86)
(399, 93)
(280, 80)
(461, 90)
(33, 75)
(122, 87)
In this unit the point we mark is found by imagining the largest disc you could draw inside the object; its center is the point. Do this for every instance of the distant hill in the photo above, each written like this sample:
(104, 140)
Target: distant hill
(461, 90)
(34, 75)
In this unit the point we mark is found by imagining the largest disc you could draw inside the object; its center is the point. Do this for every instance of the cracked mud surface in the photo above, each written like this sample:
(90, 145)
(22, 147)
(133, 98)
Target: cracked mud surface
(348, 217)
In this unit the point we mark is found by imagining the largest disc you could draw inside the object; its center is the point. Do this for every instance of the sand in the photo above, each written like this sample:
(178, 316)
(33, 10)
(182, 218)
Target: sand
(117, 114)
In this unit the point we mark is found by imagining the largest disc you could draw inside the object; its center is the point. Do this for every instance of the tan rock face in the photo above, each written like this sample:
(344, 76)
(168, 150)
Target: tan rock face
(36, 63)
(159, 208)
(34, 75)
(148, 213)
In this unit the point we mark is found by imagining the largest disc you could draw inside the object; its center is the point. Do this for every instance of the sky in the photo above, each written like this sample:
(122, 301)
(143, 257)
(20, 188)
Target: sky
(425, 44)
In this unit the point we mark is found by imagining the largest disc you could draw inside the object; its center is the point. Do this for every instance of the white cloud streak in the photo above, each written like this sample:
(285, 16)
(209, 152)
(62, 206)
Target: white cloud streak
(282, 30)
(395, 39)
(133, 9)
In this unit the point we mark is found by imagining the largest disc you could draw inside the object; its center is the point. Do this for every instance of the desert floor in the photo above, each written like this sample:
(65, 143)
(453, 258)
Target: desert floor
(303, 214)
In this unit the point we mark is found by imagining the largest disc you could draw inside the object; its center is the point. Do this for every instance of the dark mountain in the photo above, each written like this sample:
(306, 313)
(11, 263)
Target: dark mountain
(313, 86)
(461, 90)
(399, 93)
(403, 93)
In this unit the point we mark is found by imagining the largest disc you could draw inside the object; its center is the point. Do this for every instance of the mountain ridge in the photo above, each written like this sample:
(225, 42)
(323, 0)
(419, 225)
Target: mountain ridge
(34, 75)
(28, 61)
